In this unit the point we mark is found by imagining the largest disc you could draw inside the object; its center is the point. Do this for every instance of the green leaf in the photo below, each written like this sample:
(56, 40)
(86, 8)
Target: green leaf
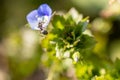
(80, 27)
(86, 41)
(117, 67)
(58, 22)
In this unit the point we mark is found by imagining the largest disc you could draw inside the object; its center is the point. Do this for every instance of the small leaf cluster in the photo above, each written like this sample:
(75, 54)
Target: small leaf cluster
(70, 40)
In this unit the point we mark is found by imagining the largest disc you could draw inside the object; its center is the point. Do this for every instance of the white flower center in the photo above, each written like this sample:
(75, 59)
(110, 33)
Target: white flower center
(43, 21)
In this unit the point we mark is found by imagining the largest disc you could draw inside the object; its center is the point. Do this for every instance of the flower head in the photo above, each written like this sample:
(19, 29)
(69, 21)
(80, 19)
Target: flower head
(39, 18)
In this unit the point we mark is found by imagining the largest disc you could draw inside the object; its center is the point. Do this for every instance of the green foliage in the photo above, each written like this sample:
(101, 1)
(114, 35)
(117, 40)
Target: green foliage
(70, 36)
(73, 47)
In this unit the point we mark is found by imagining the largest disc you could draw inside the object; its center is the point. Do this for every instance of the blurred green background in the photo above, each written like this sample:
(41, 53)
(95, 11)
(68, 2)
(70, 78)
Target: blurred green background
(20, 47)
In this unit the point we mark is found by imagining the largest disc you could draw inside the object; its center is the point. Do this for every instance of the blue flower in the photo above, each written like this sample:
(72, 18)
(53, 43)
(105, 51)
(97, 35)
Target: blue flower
(39, 19)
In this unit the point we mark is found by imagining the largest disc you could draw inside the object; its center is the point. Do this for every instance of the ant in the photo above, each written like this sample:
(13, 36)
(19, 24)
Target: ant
(41, 28)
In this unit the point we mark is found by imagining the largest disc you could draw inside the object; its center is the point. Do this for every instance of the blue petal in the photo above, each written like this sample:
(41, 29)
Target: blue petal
(44, 9)
(32, 16)
(32, 19)
(34, 25)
